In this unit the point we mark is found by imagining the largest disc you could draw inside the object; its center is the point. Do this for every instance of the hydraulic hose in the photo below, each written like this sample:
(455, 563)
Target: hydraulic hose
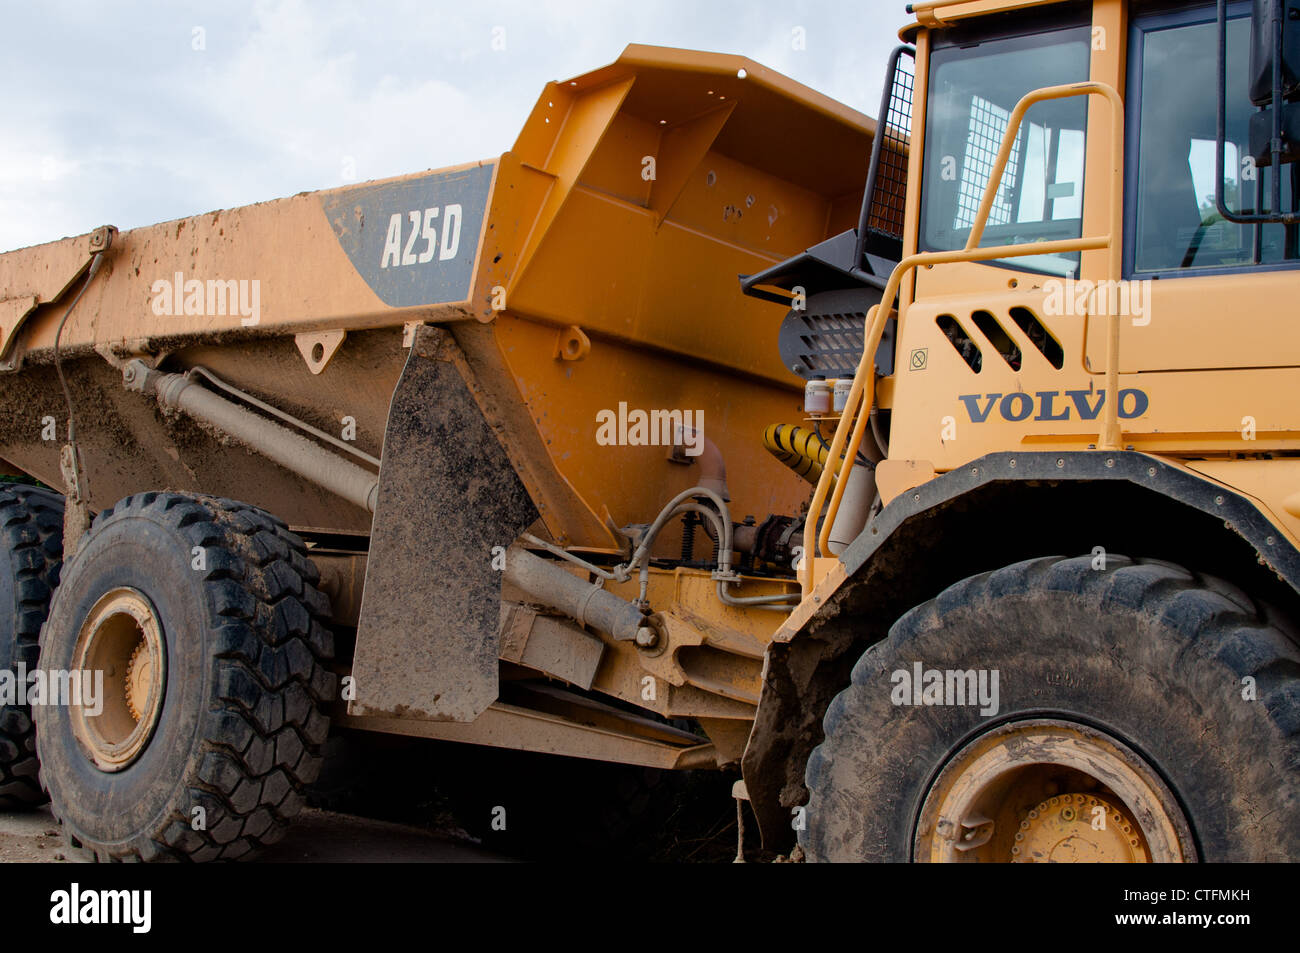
(799, 449)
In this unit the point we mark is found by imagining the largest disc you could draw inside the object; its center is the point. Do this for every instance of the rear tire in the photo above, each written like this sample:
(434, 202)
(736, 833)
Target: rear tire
(208, 753)
(31, 552)
(1141, 658)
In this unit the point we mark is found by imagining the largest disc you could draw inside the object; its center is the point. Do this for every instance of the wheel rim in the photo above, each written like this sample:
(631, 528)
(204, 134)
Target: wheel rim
(1050, 791)
(122, 638)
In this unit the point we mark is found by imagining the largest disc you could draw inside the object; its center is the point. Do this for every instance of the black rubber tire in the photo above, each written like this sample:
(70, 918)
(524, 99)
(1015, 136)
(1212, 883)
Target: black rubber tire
(243, 718)
(1145, 651)
(31, 553)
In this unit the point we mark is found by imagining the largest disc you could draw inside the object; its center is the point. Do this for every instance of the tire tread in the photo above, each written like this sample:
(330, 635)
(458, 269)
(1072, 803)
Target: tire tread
(265, 728)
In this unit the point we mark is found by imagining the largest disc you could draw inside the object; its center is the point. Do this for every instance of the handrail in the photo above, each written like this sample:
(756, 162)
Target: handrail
(861, 396)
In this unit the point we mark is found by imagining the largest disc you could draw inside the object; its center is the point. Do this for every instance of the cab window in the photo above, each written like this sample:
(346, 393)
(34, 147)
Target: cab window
(1174, 225)
(973, 88)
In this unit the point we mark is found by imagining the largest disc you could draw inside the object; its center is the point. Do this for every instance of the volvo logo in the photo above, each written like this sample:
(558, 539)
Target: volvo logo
(1052, 405)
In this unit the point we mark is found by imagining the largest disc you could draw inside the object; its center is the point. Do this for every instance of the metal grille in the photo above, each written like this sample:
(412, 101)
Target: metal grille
(827, 336)
(988, 124)
(889, 186)
(825, 344)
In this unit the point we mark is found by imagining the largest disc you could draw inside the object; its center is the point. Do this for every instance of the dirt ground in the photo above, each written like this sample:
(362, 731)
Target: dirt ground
(315, 837)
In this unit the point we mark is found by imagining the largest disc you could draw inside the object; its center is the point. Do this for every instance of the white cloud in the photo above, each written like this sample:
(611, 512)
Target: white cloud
(129, 124)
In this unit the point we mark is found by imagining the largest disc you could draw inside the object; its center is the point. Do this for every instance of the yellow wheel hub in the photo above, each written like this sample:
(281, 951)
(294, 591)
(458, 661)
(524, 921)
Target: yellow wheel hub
(120, 648)
(1078, 829)
(1049, 791)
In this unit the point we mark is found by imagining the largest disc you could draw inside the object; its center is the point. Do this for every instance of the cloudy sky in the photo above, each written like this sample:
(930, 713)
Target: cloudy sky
(134, 113)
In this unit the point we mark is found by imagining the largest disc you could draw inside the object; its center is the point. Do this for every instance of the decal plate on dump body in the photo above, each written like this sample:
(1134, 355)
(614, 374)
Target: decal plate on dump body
(414, 241)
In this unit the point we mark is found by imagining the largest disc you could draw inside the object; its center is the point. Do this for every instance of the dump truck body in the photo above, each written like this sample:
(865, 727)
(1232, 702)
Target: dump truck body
(522, 339)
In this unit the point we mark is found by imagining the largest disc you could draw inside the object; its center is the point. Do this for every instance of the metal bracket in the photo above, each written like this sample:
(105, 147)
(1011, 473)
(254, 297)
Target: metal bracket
(571, 344)
(101, 239)
(50, 285)
(318, 347)
(976, 830)
(76, 511)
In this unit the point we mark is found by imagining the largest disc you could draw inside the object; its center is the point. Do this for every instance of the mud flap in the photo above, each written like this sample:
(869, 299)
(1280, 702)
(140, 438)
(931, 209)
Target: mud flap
(430, 611)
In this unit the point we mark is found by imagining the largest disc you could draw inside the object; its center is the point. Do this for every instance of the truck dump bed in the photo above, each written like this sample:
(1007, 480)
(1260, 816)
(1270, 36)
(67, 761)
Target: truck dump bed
(631, 199)
(478, 351)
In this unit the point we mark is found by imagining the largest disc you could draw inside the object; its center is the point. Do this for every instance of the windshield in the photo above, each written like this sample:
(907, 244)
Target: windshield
(972, 91)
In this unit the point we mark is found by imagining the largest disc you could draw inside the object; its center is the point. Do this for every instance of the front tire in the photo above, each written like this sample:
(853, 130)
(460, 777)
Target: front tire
(202, 618)
(1144, 714)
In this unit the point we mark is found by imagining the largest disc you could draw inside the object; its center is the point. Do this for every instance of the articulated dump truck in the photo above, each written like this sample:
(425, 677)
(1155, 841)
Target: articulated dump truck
(939, 475)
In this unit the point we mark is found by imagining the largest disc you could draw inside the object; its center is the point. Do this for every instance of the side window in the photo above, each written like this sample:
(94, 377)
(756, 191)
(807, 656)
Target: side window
(1177, 224)
(973, 89)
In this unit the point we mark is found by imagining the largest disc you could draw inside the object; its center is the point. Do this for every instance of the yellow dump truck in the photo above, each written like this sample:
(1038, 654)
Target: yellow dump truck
(940, 472)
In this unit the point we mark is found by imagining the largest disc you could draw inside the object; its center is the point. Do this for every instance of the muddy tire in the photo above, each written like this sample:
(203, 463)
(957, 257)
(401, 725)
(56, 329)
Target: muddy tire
(31, 552)
(205, 618)
(1193, 686)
